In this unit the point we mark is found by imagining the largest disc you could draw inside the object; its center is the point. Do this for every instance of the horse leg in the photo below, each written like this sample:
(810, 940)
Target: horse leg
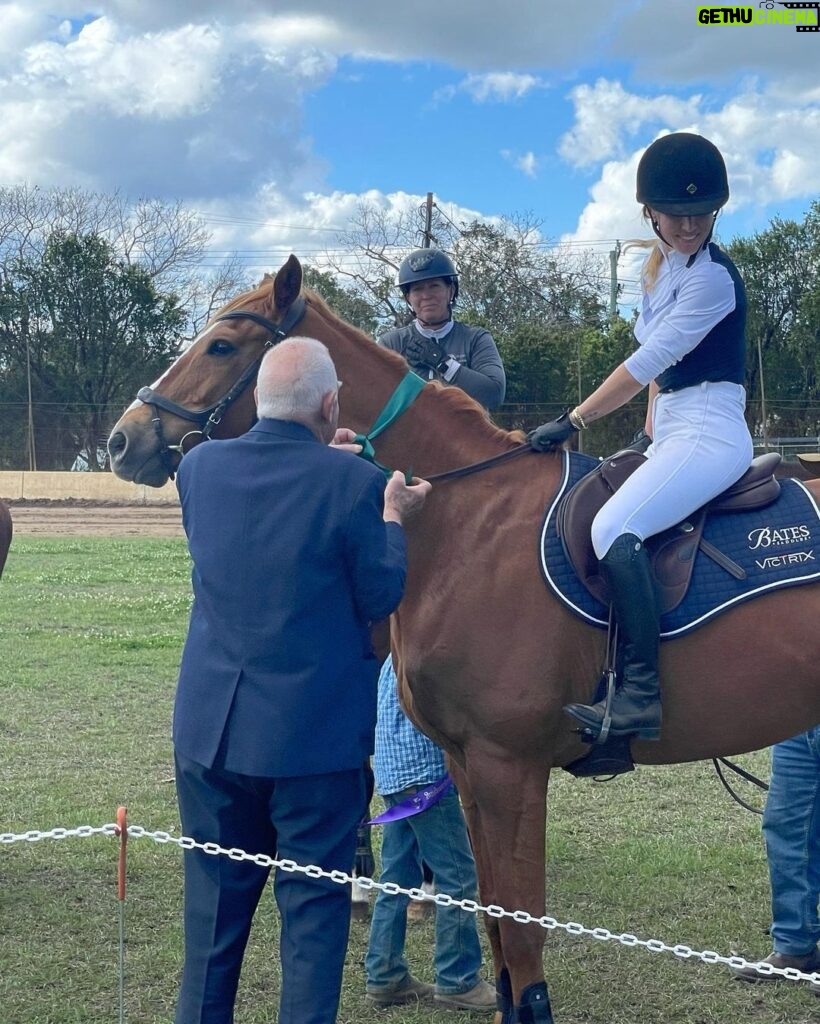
(508, 845)
(503, 988)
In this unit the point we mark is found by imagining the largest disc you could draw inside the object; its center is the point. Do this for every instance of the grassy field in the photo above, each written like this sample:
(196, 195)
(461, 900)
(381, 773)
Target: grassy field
(90, 635)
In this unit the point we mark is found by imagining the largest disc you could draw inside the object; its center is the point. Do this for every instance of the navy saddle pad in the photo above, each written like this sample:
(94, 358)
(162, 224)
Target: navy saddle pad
(775, 546)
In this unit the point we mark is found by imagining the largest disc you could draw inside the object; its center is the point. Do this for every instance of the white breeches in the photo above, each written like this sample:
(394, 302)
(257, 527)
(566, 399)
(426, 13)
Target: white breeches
(700, 446)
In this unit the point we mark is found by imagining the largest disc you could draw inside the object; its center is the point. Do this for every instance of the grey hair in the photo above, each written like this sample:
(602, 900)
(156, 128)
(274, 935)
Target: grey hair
(293, 379)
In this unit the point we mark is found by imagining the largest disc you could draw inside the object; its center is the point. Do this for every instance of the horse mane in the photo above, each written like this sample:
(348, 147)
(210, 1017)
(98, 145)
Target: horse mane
(456, 401)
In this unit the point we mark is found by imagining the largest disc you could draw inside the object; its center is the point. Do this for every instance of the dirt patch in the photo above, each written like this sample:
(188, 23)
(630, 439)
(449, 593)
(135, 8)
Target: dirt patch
(79, 517)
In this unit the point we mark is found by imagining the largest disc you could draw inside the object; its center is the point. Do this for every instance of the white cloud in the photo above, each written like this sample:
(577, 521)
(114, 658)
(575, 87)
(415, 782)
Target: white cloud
(607, 119)
(526, 163)
(496, 86)
(271, 224)
(163, 75)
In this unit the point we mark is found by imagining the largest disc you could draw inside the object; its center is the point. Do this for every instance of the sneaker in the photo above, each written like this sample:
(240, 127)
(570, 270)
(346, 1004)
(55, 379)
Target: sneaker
(480, 997)
(408, 991)
(808, 964)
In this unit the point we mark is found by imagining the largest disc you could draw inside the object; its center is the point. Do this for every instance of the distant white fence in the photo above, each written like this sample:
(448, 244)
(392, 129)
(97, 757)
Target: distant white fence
(789, 447)
(16, 485)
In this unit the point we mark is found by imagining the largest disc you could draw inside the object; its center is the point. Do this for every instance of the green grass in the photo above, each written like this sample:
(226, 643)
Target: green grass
(90, 636)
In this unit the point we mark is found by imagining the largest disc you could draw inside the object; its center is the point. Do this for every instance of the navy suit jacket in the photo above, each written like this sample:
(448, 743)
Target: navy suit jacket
(291, 562)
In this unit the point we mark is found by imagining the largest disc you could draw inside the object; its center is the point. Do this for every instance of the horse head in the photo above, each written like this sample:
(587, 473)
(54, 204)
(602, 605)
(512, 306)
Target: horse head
(208, 391)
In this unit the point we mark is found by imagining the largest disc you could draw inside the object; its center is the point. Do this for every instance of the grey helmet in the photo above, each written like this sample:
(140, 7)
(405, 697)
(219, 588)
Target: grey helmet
(424, 265)
(682, 174)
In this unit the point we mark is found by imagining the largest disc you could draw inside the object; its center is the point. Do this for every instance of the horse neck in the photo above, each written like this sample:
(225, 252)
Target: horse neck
(440, 431)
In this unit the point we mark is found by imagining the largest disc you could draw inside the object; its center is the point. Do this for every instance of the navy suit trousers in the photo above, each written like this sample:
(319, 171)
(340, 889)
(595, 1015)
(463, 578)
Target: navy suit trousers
(310, 819)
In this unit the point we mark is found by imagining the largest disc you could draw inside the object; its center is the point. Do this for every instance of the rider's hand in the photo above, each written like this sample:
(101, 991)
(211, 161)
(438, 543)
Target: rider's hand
(551, 435)
(421, 351)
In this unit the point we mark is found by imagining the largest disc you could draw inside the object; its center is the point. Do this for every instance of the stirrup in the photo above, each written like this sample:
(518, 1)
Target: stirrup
(588, 735)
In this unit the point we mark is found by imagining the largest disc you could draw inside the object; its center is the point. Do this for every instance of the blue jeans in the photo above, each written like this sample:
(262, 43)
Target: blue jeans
(439, 837)
(791, 828)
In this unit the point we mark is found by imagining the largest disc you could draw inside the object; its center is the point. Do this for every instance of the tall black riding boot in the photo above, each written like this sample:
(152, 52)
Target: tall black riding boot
(636, 705)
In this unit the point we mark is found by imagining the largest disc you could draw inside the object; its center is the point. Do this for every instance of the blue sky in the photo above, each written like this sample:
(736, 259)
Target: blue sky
(277, 119)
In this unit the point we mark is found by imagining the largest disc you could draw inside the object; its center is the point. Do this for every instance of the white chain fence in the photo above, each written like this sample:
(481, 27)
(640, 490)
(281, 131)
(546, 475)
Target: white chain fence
(440, 899)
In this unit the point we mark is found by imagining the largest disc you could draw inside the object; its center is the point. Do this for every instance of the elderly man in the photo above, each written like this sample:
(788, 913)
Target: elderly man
(296, 548)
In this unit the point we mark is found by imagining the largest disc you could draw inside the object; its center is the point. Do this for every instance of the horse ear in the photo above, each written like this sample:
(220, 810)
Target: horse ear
(287, 284)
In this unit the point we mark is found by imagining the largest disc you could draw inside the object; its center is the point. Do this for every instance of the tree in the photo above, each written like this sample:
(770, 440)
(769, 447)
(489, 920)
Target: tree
(343, 301)
(781, 270)
(88, 329)
(163, 239)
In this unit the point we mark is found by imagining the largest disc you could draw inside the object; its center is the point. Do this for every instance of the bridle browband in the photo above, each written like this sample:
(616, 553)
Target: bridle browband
(207, 419)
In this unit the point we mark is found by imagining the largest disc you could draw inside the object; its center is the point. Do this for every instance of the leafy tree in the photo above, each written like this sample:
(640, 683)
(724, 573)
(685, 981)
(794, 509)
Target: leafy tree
(781, 269)
(166, 241)
(87, 328)
(343, 301)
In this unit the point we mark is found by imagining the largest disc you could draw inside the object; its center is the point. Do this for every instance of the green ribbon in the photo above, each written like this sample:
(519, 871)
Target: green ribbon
(399, 402)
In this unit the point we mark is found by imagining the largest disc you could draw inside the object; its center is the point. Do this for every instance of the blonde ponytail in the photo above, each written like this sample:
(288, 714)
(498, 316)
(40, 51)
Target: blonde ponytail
(652, 265)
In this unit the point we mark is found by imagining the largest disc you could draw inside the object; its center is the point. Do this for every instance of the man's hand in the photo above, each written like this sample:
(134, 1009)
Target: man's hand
(551, 435)
(343, 440)
(402, 500)
(421, 351)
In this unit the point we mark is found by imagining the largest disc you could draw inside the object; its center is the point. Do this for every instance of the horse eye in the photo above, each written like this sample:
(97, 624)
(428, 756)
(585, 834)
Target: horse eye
(220, 348)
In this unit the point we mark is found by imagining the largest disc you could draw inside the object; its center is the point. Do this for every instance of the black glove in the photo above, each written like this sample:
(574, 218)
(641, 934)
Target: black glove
(551, 435)
(421, 351)
(364, 865)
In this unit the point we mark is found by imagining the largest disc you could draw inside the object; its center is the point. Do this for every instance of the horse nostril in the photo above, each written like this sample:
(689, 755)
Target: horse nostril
(116, 444)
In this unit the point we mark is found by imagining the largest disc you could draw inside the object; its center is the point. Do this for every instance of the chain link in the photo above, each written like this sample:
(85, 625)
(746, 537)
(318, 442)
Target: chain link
(81, 832)
(440, 899)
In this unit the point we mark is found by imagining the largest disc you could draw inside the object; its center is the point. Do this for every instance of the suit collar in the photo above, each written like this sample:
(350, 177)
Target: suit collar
(285, 429)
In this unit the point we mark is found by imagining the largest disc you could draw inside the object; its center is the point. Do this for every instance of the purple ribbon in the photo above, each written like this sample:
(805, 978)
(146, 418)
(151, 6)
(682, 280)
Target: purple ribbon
(415, 804)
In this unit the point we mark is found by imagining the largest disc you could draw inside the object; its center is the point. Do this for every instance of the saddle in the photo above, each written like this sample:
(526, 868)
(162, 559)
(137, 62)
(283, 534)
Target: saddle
(672, 553)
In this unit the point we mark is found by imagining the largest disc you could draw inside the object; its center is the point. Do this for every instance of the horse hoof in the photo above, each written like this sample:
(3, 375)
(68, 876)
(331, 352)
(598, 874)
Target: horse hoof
(360, 911)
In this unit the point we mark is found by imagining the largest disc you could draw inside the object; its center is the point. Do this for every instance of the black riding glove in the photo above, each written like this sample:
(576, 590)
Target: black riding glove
(421, 351)
(551, 435)
(364, 865)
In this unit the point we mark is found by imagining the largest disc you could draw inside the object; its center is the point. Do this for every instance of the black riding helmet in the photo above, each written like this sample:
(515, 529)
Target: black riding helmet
(682, 174)
(425, 264)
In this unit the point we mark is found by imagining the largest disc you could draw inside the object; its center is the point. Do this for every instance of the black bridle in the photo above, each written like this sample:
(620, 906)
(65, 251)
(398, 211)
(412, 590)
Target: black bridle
(207, 419)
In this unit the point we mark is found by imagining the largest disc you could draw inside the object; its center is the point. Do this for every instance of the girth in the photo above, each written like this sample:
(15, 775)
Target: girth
(672, 552)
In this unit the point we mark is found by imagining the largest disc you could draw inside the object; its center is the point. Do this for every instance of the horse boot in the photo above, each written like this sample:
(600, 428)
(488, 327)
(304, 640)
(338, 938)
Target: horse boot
(636, 704)
(534, 1007)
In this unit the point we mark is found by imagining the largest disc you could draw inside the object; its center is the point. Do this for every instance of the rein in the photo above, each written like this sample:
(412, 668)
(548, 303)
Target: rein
(208, 419)
(476, 467)
(718, 761)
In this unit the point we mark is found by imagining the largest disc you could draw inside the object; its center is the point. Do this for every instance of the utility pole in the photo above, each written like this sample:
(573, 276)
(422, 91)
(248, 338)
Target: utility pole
(763, 416)
(613, 280)
(428, 221)
(32, 451)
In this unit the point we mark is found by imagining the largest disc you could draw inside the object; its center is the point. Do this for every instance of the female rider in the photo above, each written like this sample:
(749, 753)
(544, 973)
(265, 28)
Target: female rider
(691, 336)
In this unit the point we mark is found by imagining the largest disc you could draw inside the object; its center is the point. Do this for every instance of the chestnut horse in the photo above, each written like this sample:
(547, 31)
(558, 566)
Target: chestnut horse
(487, 656)
(6, 530)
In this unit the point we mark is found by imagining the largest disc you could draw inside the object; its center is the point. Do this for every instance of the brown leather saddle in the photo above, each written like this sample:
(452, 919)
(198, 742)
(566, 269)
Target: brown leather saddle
(672, 552)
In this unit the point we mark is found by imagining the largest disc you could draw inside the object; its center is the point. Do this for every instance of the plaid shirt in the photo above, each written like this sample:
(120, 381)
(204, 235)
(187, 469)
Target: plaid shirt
(404, 756)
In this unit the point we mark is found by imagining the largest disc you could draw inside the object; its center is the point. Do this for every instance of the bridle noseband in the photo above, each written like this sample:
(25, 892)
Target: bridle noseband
(207, 419)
